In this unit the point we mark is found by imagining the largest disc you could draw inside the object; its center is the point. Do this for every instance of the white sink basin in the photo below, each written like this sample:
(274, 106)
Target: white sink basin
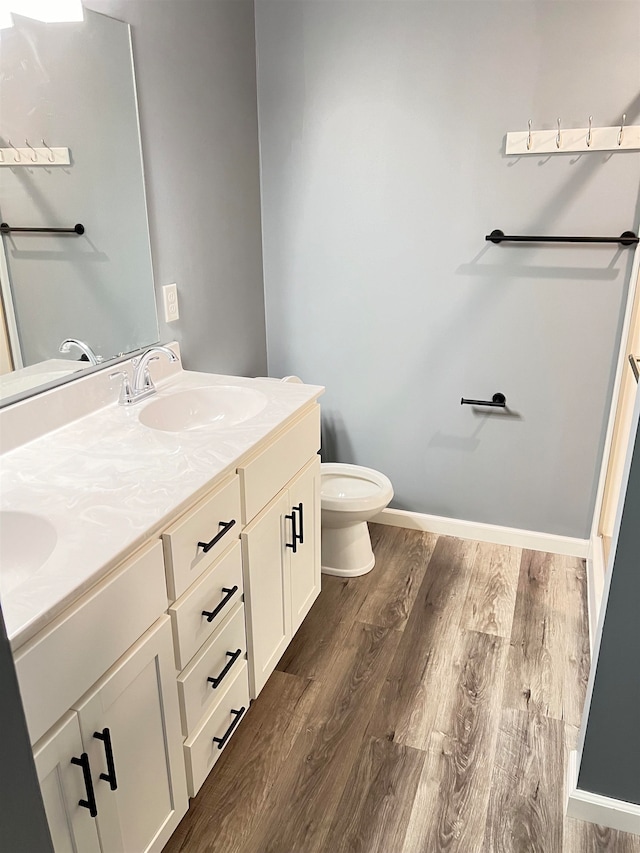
(218, 406)
(26, 543)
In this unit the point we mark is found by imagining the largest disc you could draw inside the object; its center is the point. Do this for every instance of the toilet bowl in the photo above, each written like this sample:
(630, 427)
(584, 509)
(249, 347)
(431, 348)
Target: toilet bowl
(350, 495)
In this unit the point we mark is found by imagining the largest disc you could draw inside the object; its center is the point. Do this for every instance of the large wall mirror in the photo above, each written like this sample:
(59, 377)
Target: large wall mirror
(70, 86)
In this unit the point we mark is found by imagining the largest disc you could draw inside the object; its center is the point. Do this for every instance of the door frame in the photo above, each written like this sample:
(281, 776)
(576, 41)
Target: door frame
(617, 436)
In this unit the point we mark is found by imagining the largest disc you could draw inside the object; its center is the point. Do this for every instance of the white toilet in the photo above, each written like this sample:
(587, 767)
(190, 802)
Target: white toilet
(349, 496)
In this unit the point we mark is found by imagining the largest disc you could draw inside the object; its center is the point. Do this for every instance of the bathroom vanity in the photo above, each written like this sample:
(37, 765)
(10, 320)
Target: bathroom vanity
(162, 557)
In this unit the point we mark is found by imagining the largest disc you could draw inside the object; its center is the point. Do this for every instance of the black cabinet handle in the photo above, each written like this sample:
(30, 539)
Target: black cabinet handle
(233, 658)
(294, 529)
(211, 614)
(225, 737)
(226, 527)
(110, 775)
(90, 802)
(299, 510)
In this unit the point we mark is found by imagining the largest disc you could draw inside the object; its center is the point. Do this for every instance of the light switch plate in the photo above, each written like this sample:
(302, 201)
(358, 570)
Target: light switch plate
(170, 297)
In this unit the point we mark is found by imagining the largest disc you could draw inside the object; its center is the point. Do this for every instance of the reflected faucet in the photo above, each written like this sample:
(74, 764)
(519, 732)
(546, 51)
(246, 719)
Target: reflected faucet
(141, 385)
(66, 345)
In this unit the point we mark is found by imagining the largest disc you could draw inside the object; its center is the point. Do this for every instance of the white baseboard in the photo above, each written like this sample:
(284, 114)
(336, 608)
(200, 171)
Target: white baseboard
(531, 539)
(595, 585)
(605, 811)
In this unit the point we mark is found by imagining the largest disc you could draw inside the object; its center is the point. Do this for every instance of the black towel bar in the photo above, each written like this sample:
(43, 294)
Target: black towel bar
(5, 228)
(627, 238)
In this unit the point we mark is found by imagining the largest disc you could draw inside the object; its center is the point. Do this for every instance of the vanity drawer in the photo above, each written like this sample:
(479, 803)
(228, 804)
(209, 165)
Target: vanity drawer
(200, 750)
(220, 658)
(218, 592)
(215, 519)
(267, 473)
(65, 659)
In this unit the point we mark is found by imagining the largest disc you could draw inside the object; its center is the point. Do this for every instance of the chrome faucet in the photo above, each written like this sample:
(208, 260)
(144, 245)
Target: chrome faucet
(66, 345)
(141, 385)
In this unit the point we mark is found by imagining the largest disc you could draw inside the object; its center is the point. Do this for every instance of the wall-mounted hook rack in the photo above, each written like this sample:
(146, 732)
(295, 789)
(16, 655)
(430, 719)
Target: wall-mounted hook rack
(29, 156)
(573, 139)
(498, 401)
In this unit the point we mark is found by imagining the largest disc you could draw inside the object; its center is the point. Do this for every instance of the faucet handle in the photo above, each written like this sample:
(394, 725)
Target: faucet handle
(126, 393)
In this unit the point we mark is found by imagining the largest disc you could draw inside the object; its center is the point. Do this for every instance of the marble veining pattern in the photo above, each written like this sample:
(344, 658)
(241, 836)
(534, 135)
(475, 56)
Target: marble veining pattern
(106, 482)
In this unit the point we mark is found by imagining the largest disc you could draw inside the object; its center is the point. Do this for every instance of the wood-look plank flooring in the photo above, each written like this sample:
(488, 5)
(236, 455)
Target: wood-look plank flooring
(427, 707)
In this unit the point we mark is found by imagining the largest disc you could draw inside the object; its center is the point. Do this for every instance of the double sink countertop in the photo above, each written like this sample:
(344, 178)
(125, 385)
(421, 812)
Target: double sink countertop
(106, 483)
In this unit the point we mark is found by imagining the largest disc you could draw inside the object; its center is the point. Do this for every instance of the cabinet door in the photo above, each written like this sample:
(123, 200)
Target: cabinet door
(266, 582)
(62, 784)
(304, 497)
(134, 709)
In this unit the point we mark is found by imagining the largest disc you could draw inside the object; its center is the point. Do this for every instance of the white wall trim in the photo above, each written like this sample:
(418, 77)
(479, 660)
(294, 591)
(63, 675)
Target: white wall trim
(621, 366)
(595, 808)
(531, 539)
(595, 586)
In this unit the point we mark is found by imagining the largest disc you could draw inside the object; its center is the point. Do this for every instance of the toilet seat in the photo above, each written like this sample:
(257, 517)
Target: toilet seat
(353, 487)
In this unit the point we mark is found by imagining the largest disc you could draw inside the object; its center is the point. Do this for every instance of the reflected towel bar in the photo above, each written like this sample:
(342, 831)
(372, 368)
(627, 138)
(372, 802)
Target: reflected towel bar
(627, 238)
(5, 228)
(498, 401)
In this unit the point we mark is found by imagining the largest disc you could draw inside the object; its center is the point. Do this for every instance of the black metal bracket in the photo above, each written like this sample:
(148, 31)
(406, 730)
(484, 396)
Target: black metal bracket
(226, 526)
(225, 737)
(498, 401)
(110, 775)
(627, 238)
(90, 802)
(233, 657)
(228, 595)
(5, 228)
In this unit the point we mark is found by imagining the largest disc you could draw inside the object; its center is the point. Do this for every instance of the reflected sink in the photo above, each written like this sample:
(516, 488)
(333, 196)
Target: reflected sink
(26, 543)
(218, 406)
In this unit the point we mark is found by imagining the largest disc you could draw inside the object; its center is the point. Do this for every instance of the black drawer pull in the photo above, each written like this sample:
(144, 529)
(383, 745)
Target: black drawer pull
(226, 527)
(110, 775)
(211, 614)
(298, 509)
(233, 658)
(294, 529)
(225, 737)
(90, 802)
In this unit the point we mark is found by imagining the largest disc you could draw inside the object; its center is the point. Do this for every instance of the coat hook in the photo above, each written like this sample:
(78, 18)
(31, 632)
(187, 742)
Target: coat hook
(558, 137)
(53, 156)
(529, 137)
(19, 157)
(589, 134)
(621, 131)
(34, 159)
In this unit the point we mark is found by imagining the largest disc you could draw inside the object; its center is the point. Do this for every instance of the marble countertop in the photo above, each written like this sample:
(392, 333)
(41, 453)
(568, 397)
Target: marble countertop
(106, 483)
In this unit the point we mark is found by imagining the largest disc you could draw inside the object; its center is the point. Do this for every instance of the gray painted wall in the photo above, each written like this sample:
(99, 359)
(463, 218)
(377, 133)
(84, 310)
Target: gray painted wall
(382, 128)
(196, 80)
(610, 763)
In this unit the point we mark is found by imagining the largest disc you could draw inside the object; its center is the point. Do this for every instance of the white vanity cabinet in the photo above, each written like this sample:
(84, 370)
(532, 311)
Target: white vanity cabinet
(63, 786)
(134, 690)
(111, 771)
(111, 768)
(281, 549)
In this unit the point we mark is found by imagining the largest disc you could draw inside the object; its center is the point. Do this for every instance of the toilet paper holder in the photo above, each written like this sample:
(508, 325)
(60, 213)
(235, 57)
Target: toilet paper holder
(498, 401)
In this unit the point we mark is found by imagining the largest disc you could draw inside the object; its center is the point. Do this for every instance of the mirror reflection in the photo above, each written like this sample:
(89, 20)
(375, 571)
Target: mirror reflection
(70, 155)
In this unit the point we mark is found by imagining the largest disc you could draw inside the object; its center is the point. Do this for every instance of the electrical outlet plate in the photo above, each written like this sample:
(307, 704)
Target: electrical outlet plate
(170, 298)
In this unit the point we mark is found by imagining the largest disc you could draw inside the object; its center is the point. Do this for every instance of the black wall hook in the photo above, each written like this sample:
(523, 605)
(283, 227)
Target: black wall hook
(498, 401)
